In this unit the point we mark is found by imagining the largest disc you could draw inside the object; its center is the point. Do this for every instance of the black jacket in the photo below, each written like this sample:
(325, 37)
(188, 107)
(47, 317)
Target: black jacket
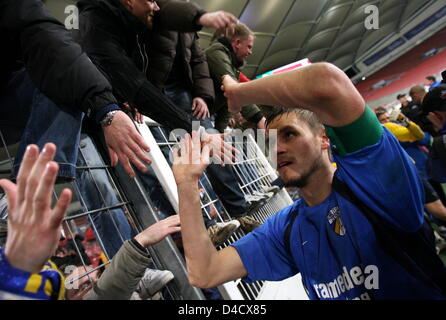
(415, 112)
(33, 38)
(115, 41)
(165, 46)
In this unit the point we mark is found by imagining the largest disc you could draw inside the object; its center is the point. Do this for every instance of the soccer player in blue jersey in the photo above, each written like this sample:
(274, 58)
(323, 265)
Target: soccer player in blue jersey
(331, 242)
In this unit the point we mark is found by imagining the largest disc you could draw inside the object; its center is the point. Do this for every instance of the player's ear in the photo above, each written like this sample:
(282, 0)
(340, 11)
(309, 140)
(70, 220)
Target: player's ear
(128, 4)
(325, 140)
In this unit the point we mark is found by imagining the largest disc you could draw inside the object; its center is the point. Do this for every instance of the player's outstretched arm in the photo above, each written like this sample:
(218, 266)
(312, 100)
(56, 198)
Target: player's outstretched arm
(320, 87)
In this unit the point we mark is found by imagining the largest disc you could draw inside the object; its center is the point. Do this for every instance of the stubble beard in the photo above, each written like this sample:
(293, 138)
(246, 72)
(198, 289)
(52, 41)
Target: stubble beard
(303, 180)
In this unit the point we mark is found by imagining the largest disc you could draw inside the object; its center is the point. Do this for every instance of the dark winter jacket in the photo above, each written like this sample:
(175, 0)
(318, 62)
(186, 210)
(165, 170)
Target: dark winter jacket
(33, 38)
(115, 41)
(165, 46)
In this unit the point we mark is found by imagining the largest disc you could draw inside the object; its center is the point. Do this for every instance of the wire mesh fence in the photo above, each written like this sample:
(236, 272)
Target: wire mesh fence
(98, 221)
(109, 208)
(254, 178)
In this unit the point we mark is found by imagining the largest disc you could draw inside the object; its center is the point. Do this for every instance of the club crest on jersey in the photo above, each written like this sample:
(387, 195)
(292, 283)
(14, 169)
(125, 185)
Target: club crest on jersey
(443, 94)
(334, 218)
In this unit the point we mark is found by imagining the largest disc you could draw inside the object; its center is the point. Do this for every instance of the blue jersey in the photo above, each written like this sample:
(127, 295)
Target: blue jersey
(333, 244)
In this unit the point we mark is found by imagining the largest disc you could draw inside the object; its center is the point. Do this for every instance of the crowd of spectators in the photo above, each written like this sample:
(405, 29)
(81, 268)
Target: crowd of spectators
(141, 72)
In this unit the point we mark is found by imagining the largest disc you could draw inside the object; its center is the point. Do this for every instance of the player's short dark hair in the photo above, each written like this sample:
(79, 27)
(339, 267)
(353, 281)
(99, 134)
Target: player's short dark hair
(307, 116)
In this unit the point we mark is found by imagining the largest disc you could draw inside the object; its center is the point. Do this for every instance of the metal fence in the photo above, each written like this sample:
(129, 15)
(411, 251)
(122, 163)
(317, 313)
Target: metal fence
(254, 174)
(108, 207)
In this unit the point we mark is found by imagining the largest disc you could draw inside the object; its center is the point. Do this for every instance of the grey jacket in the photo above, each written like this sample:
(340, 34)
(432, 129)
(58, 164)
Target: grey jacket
(122, 276)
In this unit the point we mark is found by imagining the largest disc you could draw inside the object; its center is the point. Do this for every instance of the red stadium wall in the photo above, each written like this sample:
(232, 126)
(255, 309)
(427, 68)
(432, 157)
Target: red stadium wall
(408, 70)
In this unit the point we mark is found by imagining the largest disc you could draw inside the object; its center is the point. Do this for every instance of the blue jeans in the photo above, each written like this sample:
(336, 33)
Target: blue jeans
(29, 116)
(96, 192)
(223, 179)
(182, 98)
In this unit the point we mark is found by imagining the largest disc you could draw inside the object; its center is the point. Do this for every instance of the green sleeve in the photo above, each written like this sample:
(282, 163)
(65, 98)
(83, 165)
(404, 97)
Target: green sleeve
(365, 131)
(251, 113)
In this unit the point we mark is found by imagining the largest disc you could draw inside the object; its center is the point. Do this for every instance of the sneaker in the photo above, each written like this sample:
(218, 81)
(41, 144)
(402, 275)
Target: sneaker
(135, 296)
(264, 195)
(153, 281)
(255, 202)
(267, 189)
(235, 223)
(221, 231)
(248, 224)
(254, 198)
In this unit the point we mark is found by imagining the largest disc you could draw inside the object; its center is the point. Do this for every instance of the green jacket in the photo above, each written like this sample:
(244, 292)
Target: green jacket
(222, 61)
